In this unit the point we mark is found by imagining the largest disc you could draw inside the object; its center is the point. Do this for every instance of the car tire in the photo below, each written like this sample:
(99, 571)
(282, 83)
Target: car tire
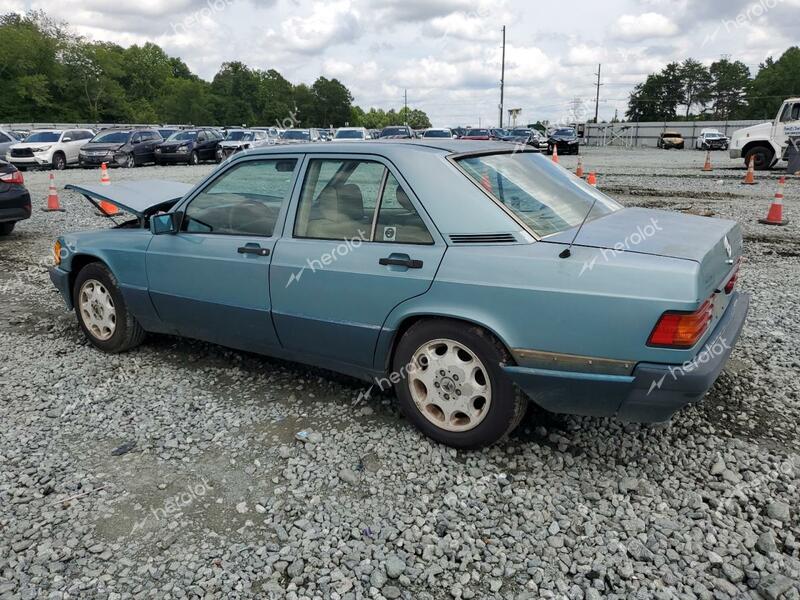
(194, 158)
(101, 311)
(130, 161)
(452, 348)
(59, 161)
(7, 228)
(763, 158)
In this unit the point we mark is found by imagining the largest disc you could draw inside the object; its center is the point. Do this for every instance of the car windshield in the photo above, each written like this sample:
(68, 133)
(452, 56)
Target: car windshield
(43, 136)
(349, 134)
(520, 132)
(671, 134)
(182, 136)
(713, 136)
(543, 195)
(437, 133)
(239, 136)
(296, 134)
(394, 131)
(564, 132)
(112, 137)
(478, 132)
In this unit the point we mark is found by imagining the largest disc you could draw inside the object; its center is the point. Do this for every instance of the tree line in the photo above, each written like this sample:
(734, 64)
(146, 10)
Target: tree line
(49, 74)
(720, 91)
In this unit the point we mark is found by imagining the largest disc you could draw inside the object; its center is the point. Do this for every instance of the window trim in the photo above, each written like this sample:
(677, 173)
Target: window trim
(214, 177)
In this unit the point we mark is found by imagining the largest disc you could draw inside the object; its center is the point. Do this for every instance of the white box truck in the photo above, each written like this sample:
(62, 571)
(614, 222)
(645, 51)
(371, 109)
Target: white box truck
(767, 142)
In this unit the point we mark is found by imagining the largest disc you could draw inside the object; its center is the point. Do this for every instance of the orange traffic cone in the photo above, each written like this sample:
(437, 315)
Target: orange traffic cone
(579, 170)
(592, 179)
(750, 178)
(555, 153)
(104, 178)
(707, 166)
(52, 197)
(775, 214)
(106, 208)
(487, 185)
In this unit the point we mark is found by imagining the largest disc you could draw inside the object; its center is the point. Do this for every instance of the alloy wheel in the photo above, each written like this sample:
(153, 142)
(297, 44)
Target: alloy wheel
(97, 309)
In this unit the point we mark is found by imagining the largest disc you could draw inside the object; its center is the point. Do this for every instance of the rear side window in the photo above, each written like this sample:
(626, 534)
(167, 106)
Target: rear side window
(398, 220)
(245, 200)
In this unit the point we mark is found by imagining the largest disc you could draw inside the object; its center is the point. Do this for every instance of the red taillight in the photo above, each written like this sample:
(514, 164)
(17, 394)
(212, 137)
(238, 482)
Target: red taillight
(15, 177)
(680, 329)
(732, 281)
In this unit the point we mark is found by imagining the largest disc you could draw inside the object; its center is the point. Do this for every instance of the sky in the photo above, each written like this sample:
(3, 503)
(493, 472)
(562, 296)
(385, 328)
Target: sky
(446, 54)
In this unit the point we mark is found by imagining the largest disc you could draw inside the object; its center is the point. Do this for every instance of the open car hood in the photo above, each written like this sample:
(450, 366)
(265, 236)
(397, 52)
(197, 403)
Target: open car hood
(140, 198)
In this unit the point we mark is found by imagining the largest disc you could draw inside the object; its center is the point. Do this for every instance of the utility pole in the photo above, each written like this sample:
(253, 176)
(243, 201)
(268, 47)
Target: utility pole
(405, 104)
(597, 96)
(502, 77)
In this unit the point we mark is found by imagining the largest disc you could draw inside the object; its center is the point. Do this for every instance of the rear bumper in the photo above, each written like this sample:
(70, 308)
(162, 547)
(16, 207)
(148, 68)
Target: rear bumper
(15, 205)
(652, 393)
(60, 279)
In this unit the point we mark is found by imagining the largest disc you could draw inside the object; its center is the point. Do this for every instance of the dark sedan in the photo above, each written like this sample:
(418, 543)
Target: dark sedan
(121, 147)
(190, 146)
(399, 132)
(565, 139)
(15, 201)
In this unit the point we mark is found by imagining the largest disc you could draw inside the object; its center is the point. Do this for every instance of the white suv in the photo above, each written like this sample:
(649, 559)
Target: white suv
(54, 148)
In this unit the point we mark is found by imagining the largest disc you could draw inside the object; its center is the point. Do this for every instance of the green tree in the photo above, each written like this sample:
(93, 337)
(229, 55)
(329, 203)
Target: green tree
(776, 80)
(333, 102)
(729, 88)
(696, 83)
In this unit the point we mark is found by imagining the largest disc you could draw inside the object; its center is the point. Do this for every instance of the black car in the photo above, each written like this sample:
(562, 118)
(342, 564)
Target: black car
(190, 146)
(399, 132)
(565, 139)
(15, 201)
(121, 147)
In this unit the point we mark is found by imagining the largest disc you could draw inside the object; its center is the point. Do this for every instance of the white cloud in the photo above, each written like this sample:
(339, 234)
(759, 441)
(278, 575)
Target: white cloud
(329, 23)
(635, 28)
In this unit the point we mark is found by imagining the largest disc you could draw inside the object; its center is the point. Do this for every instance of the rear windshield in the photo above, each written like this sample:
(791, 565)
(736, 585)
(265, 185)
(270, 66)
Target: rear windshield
(44, 136)
(179, 136)
(349, 134)
(394, 131)
(239, 136)
(437, 133)
(544, 196)
(478, 132)
(111, 137)
(296, 134)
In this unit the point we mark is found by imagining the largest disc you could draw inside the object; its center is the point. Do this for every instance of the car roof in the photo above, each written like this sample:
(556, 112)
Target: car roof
(389, 148)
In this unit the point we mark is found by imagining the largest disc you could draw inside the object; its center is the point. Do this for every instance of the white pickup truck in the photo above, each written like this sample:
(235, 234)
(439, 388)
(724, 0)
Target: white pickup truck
(766, 142)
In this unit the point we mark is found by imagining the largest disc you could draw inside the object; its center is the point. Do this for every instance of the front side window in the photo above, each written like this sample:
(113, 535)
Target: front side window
(245, 200)
(791, 113)
(338, 199)
(398, 221)
(540, 193)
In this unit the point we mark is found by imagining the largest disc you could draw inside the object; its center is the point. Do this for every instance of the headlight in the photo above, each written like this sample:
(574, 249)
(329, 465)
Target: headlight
(158, 150)
(183, 150)
(40, 149)
(57, 252)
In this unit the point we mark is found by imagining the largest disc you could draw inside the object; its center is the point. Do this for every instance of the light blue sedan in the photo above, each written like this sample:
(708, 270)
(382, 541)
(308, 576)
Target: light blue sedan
(469, 276)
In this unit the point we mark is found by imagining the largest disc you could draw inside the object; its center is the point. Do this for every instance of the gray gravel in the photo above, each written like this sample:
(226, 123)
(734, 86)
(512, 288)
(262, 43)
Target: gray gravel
(186, 470)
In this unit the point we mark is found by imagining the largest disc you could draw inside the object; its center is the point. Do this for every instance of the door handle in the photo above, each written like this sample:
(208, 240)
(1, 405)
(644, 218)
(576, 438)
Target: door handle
(253, 250)
(401, 262)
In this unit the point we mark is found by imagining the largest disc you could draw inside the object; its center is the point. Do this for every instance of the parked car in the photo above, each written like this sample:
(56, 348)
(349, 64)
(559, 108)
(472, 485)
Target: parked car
(397, 132)
(121, 147)
(670, 139)
(351, 134)
(15, 201)
(273, 133)
(190, 146)
(711, 139)
(477, 135)
(565, 139)
(524, 135)
(437, 133)
(7, 139)
(498, 133)
(54, 148)
(443, 246)
(299, 136)
(237, 140)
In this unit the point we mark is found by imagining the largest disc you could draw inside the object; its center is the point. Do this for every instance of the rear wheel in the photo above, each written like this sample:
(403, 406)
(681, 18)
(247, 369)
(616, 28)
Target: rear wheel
(761, 156)
(101, 311)
(7, 228)
(451, 385)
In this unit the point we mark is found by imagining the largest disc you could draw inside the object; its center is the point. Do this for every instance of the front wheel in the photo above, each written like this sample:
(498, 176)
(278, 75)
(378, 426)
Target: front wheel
(101, 310)
(59, 162)
(761, 156)
(130, 161)
(194, 159)
(451, 385)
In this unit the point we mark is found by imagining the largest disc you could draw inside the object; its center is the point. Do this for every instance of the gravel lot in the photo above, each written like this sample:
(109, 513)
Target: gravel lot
(219, 499)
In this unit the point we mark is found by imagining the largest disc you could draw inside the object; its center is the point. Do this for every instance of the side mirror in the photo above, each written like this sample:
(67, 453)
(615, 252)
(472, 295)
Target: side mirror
(67, 139)
(165, 223)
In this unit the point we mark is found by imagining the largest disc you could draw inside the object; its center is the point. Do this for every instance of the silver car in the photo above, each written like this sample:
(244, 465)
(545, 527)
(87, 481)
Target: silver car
(7, 139)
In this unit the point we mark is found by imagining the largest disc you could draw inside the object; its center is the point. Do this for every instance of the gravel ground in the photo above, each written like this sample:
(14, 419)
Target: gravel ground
(176, 470)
